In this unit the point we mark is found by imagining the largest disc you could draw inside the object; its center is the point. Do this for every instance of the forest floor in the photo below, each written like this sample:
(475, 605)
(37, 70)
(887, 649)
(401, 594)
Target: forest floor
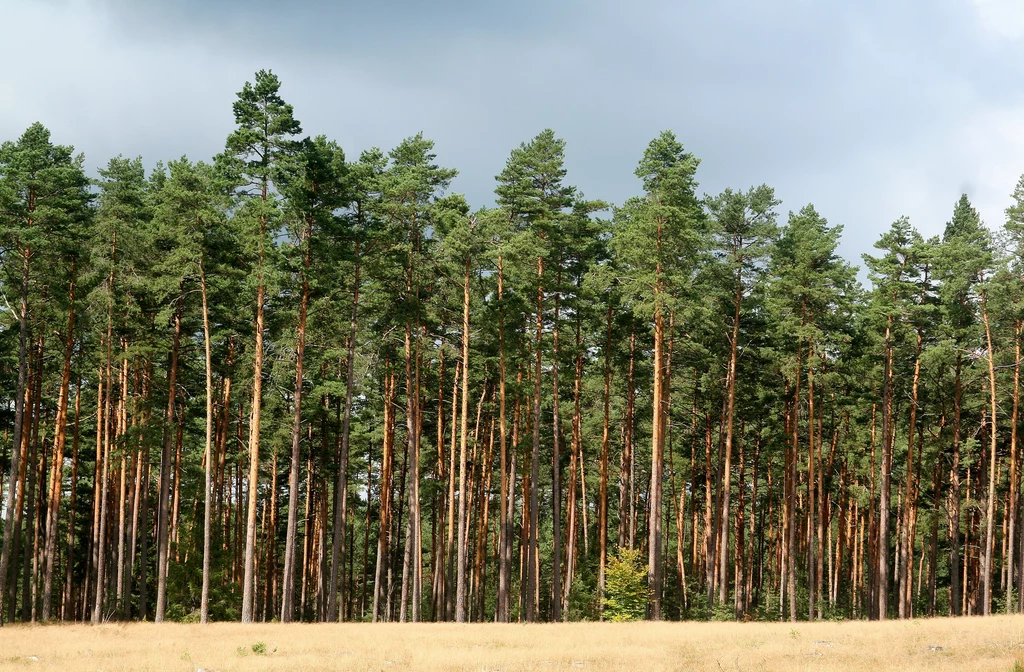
(963, 644)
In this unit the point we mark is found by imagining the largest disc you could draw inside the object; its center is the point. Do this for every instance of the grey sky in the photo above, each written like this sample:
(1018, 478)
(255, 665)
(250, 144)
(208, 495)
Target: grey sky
(870, 110)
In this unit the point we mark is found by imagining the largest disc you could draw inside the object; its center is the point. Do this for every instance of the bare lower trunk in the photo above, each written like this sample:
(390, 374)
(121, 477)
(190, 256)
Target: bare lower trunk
(955, 587)
(654, 576)
(730, 414)
(19, 416)
(602, 495)
(249, 568)
(460, 581)
(291, 531)
(164, 521)
(341, 483)
(884, 497)
(530, 607)
(57, 467)
(556, 471)
(503, 608)
(204, 600)
(1014, 510)
(990, 511)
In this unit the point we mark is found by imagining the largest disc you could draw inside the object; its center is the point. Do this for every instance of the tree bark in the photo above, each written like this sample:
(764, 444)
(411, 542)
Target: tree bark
(341, 482)
(504, 514)
(460, 581)
(13, 490)
(57, 468)
(530, 607)
(291, 531)
(204, 600)
(249, 567)
(730, 414)
(990, 511)
(602, 495)
(164, 521)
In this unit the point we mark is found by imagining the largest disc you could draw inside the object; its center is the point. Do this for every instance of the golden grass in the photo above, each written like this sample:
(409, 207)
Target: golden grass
(964, 644)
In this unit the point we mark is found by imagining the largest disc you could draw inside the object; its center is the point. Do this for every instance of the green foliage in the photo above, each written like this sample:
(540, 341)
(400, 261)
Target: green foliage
(560, 309)
(584, 604)
(660, 238)
(626, 592)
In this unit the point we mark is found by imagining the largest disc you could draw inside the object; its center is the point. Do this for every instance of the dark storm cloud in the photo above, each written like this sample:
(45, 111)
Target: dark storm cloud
(871, 110)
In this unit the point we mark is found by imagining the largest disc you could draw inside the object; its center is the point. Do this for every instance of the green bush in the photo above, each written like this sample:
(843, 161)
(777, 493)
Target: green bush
(626, 593)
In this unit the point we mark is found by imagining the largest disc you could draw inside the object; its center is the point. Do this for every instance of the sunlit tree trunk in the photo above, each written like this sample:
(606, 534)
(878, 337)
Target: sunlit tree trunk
(990, 510)
(57, 465)
(341, 483)
(460, 581)
(291, 531)
(164, 519)
(204, 600)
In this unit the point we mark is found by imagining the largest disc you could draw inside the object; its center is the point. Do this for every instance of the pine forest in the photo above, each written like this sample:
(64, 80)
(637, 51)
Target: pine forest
(292, 384)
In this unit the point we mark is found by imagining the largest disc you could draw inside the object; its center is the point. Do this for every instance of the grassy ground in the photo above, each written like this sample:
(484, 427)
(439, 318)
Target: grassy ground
(963, 645)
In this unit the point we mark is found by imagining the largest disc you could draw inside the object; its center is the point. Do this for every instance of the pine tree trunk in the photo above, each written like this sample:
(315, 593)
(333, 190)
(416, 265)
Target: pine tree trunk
(505, 513)
(164, 519)
(460, 580)
(906, 540)
(67, 603)
(1014, 511)
(990, 511)
(204, 600)
(57, 468)
(249, 567)
(532, 559)
(602, 495)
(791, 499)
(122, 509)
(576, 463)
(626, 456)
(884, 496)
(104, 480)
(955, 587)
(29, 586)
(556, 467)
(380, 593)
(449, 554)
(13, 491)
(416, 514)
(291, 531)
(730, 414)
(654, 559)
(341, 483)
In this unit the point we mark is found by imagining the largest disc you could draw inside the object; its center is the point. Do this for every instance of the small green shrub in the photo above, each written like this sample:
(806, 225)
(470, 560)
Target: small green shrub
(626, 593)
(723, 612)
(259, 648)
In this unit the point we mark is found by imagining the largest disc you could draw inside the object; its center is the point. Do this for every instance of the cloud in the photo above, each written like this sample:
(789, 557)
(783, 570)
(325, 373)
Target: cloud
(1004, 18)
(865, 109)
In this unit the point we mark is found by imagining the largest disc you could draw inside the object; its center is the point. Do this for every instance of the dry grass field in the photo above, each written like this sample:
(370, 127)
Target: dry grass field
(941, 644)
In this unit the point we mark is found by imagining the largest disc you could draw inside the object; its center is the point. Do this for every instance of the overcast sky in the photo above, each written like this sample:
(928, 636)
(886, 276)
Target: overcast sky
(870, 109)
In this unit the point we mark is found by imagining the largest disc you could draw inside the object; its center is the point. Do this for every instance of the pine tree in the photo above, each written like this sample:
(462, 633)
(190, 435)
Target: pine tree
(962, 257)
(258, 156)
(531, 193)
(658, 239)
(43, 210)
(744, 230)
(810, 283)
(315, 192)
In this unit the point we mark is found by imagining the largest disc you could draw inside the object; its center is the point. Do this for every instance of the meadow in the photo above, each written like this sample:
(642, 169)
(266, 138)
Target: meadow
(961, 644)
